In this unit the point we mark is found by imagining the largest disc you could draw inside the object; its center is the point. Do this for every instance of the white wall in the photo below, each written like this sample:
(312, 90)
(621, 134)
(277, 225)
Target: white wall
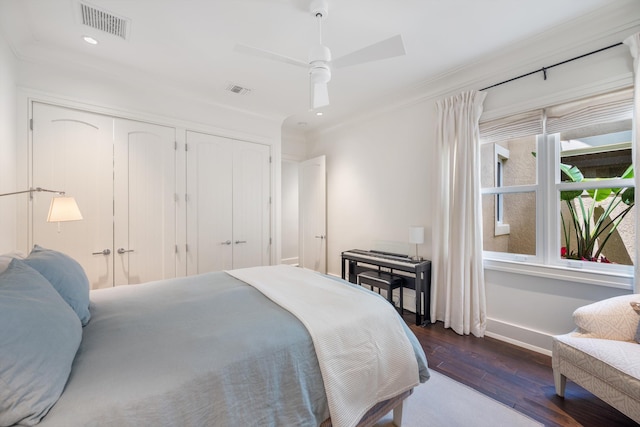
(380, 166)
(8, 107)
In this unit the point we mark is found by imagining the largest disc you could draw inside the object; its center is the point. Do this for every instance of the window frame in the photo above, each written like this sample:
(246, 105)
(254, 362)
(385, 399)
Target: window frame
(500, 155)
(547, 262)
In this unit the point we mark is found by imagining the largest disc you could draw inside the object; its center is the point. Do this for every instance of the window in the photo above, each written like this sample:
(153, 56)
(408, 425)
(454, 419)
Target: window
(501, 155)
(558, 189)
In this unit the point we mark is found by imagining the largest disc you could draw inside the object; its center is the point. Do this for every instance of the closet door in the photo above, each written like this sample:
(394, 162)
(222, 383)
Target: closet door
(144, 202)
(209, 203)
(228, 204)
(251, 204)
(72, 151)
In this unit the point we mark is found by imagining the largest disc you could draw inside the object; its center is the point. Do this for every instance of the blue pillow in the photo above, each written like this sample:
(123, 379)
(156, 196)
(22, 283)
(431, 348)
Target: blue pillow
(39, 338)
(66, 276)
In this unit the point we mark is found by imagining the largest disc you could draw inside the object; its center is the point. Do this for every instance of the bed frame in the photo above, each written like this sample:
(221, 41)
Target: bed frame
(381, 409)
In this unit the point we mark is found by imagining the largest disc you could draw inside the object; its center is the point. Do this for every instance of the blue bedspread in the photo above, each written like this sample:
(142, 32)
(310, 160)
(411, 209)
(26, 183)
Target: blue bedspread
(194, 351)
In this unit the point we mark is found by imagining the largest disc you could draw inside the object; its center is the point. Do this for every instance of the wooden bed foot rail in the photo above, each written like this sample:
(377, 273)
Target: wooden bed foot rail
(380, 410)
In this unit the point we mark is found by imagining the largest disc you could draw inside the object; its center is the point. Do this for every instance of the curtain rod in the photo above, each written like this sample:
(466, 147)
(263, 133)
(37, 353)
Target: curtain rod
(543, 70)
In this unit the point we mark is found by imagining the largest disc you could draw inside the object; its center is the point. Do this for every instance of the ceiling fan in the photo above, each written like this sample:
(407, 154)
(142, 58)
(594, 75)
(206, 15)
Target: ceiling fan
(320, 62)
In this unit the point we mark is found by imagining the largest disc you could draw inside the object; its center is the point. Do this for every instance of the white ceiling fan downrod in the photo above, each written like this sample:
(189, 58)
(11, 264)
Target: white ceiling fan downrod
(319, 55)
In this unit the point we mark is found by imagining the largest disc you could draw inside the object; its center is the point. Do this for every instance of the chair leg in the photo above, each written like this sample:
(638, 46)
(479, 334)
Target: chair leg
(560, 382)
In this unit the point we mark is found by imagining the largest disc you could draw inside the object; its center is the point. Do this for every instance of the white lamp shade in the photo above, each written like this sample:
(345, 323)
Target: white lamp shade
(416, 235)
(63, 209)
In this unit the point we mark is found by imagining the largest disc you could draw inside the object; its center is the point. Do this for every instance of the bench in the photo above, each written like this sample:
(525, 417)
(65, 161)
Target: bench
(383, 280)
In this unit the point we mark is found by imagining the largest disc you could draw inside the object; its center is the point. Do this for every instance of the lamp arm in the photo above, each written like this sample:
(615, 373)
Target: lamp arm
(31, 190)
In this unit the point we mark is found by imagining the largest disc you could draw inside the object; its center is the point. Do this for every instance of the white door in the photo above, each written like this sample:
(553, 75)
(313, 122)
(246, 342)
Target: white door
(313, 214)
(72, 151)
(209, 203)
(144, 202)
(122, 174)
(251, 204)
(228, 203)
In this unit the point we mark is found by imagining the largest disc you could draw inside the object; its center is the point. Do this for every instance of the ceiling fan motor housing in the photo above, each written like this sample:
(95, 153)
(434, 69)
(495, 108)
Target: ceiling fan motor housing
(320, 73)
(319, 53)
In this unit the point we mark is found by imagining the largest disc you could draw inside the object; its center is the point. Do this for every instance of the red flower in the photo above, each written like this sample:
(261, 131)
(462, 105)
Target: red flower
(563, 252)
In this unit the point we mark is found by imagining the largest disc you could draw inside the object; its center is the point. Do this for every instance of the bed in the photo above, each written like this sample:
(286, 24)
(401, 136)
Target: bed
(203, 350)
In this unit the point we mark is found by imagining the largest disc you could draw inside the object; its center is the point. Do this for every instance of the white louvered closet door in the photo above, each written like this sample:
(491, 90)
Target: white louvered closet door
(72, 151)
(144, 202)
(209, 204)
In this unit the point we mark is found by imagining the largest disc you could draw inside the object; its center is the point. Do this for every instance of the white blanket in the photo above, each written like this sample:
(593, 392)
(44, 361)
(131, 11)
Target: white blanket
(364, 354)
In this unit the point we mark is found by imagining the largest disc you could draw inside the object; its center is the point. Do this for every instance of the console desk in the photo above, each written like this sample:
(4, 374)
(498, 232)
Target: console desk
(417, 274)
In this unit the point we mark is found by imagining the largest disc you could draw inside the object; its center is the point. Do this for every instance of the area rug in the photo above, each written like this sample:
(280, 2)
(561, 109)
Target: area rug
(443, 402)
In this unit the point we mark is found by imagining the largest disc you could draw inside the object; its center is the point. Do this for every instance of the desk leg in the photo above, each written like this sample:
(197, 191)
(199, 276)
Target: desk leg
(426, 297)
(419, 291)
(344, 263)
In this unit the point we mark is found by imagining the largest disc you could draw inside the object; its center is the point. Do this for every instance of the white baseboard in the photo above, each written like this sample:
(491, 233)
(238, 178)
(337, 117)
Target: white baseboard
(521, 336)
(290, 261)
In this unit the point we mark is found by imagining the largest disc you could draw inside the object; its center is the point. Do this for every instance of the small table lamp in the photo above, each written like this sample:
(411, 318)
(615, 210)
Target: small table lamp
(416, 236)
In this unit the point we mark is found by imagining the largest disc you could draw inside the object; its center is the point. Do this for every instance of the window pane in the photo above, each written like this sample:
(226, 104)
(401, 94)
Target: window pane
(518, 162)
(516, 234)
(602, 151)
(606, 242)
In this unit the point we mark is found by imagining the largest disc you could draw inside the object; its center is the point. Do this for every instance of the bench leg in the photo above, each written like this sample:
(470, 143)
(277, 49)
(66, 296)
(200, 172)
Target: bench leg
(397, 415)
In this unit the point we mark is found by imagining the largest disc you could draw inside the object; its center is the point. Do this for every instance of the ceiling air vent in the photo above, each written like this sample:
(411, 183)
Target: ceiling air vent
(237, 89)
(104, 21)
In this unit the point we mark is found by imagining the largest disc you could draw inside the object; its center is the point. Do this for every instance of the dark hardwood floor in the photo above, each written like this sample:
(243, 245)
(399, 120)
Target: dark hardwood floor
(515, 376)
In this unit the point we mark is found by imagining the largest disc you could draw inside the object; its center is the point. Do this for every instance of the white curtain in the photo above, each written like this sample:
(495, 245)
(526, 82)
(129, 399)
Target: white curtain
(634, 44)
(458, 295)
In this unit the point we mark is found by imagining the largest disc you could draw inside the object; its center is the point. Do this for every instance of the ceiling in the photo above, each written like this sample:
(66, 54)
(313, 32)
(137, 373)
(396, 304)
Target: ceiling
(188, 45)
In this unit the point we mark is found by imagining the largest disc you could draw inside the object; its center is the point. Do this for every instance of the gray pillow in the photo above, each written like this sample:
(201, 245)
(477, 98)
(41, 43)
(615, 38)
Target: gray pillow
(39, 338)
(5, 259)
(636, 308)
(66, 276)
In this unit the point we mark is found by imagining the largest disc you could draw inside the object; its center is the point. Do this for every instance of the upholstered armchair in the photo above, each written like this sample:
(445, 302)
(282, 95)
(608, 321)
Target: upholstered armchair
(602, 354)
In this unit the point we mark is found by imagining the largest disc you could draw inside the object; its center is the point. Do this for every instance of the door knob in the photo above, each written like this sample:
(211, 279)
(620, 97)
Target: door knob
(123, 250)
(102, 252)
(240, 241)
(320, 237)
(226, 242)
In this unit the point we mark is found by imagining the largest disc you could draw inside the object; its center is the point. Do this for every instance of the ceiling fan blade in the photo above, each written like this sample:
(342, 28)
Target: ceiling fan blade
(319, 95)
(393, 46)
(261, 53)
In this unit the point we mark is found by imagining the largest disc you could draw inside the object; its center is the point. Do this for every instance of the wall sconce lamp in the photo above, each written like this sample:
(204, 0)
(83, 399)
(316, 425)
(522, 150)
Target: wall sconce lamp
(416, 236)
(62, 208)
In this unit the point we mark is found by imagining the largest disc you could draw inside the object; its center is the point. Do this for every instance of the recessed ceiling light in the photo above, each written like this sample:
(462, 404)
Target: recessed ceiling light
(319, 113)
(89, 39)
